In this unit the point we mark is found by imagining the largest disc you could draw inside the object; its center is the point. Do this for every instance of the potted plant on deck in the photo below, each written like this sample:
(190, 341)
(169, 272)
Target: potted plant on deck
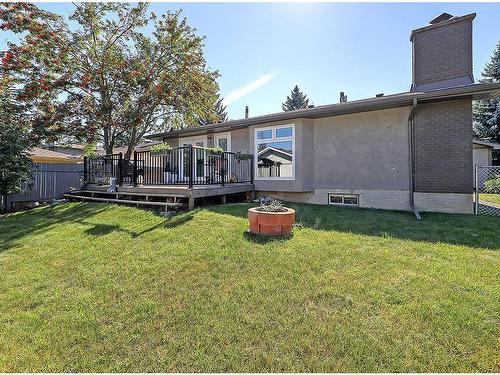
(160, 149)
(271, 218)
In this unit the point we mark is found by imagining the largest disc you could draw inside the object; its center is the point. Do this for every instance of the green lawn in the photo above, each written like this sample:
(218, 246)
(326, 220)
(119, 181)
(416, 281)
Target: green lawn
(491, 198)
(95, 287)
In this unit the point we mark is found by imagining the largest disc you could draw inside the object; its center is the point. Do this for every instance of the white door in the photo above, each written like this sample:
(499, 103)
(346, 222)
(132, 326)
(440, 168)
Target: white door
(198, 155)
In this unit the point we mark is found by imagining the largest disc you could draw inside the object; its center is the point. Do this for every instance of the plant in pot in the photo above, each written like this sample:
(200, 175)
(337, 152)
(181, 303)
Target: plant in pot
(271, 218)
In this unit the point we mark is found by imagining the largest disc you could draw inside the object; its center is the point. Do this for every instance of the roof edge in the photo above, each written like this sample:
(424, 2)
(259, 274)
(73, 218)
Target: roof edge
(456, 19)
(356, 106)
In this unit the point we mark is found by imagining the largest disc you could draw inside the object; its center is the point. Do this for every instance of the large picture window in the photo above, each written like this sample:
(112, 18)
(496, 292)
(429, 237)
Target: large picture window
(275, 149)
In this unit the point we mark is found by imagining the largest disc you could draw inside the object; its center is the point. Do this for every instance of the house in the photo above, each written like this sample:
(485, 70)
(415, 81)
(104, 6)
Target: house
(482, 152)
(54, 174)
(75, 150)
(407, 151)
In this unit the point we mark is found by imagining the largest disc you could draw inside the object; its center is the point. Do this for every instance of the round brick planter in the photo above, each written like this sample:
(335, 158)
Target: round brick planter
(274, 224)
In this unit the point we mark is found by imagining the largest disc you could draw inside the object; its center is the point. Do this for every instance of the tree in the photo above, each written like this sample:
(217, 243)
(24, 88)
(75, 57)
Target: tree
(35, 67)
(487, 112)
(217, 115)
(117, 82)
(296, 100)
(15, 163)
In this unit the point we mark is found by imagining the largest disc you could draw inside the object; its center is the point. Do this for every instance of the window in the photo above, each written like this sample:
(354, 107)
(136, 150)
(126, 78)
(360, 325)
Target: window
(343, 199)
(223, 141)
(275, 149)
(264, 134)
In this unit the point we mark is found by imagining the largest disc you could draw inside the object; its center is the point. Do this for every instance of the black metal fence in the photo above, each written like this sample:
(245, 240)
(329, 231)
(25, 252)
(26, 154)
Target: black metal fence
(186, 165)
(98, 170)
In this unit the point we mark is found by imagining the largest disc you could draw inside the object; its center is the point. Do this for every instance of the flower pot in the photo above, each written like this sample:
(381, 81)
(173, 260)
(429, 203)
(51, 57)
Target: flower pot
(275, 224)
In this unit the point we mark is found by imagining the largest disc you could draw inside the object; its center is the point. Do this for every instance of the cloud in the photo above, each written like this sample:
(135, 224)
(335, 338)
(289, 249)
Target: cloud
(244, 90)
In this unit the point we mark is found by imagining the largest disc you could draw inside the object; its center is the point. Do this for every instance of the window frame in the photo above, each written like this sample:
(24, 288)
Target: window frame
(343, 199)
(218, 136)
(273, 139)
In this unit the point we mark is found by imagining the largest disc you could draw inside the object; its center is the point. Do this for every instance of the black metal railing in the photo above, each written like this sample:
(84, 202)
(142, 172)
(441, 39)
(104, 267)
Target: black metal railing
(186, 165)
(98, 170)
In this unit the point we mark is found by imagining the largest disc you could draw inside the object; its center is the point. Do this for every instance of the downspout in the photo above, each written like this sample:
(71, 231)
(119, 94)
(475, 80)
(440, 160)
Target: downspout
(411, 159)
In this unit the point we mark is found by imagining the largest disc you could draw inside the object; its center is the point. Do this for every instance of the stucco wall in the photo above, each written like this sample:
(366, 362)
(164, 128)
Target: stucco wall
(362, 151)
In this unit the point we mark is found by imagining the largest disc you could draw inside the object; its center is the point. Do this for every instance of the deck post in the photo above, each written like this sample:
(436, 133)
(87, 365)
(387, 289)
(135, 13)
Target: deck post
(120, 169)
(134, 172)
(85, 168)
(223, 199)
(251, 169)
(191, 171)
(191, 203)
(223, 168)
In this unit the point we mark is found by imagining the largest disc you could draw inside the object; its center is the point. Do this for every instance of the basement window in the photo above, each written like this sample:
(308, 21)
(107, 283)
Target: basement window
(343, 199)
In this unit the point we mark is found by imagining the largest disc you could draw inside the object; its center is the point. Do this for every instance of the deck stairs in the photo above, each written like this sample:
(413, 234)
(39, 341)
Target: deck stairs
(166, 200)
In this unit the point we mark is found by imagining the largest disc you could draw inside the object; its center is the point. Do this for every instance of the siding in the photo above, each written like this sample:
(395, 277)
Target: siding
(50, 181)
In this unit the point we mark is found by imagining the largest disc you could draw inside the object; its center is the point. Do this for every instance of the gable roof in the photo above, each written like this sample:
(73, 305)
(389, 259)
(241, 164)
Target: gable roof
(474, 91)
(273, 149)
(41, 155)
(492, 145)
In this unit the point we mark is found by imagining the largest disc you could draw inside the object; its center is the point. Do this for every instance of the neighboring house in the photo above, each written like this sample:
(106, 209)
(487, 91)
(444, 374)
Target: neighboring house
(54, 174)
(482, 152)
(75, 149)
(275, 162)
(401, 152)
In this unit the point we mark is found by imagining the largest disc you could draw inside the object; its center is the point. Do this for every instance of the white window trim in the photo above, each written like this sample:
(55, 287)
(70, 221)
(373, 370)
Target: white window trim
(193, 140)
(217, 136)
(274, 139)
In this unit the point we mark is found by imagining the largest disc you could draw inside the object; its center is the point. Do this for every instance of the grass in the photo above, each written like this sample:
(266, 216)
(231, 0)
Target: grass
(490, 198)
(101, 288)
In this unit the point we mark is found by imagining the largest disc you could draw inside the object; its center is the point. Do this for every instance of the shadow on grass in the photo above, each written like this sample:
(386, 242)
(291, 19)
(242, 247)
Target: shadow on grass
(18, 225)
(101, 229)
(455, 229)
(256, 238)
(170, 223)
(15, 226)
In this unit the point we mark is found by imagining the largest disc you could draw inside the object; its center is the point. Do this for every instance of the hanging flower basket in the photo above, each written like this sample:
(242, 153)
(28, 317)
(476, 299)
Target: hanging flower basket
(161, 149)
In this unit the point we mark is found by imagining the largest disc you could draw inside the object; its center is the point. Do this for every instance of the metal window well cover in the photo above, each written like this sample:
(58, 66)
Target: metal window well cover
(487, 182)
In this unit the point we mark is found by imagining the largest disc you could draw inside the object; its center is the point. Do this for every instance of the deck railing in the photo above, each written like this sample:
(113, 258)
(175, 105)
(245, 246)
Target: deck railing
(186, 165)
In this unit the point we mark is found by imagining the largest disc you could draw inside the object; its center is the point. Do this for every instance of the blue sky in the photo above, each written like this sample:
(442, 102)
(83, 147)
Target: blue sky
(263, 50)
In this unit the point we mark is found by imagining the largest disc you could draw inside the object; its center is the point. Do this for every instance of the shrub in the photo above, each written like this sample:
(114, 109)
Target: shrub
(493, 184)
(271, 205)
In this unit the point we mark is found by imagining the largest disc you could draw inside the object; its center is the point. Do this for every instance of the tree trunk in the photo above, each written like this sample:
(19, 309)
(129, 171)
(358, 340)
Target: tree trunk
(131, 144)
(108, 147)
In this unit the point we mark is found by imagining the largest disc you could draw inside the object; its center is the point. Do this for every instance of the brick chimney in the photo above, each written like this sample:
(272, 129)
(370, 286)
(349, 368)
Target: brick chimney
(442, 53)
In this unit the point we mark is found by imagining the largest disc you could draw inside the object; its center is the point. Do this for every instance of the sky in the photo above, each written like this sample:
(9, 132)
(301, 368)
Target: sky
(263, 50)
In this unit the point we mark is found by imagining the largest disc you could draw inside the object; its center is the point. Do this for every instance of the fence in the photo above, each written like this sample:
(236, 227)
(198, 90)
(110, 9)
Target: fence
(186, 165)
(49, 182)
(487, 190)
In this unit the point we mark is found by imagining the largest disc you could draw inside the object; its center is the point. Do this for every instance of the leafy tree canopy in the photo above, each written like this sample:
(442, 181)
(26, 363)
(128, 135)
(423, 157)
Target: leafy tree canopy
(487, 112)
(296, 100)
(106, 80)
(218, 114)
(15, 163)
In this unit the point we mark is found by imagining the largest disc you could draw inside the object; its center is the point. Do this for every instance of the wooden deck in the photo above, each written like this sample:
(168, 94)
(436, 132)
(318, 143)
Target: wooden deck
(158, 195)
